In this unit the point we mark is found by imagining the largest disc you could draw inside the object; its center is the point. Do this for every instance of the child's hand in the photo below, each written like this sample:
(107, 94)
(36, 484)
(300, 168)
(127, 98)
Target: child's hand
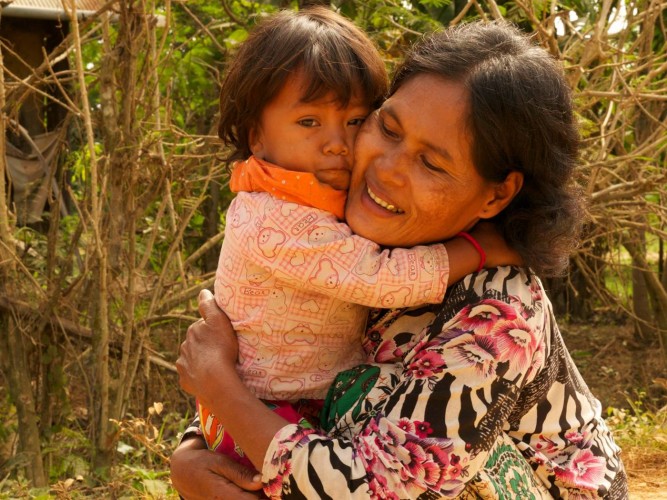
(498, 252)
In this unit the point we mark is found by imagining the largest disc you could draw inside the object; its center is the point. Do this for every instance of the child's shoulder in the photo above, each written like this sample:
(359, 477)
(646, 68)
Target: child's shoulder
(288, 214)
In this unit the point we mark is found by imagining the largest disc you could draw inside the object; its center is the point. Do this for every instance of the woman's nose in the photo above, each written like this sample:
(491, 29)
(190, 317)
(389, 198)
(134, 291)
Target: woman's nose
(389, 167)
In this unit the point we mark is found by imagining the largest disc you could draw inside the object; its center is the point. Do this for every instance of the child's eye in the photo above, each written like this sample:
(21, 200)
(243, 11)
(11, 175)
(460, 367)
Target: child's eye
(356, 122)
(308, 122)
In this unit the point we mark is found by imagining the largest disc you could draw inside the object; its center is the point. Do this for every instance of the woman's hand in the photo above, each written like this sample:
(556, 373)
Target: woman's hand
(198, 473)
(210, 351)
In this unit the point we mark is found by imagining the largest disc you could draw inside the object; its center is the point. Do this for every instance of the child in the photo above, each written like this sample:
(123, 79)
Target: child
(293, 279)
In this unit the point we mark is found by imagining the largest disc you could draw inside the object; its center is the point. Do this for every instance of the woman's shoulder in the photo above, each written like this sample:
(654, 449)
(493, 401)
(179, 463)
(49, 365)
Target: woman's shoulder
(485, 297)
(512, 290)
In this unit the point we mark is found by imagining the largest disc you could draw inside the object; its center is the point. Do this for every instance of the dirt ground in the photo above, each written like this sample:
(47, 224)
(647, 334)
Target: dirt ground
(614, 361)
(647, 474)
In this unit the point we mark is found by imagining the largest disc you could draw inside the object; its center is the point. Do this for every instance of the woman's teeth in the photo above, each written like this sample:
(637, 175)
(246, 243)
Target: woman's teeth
(383, 203)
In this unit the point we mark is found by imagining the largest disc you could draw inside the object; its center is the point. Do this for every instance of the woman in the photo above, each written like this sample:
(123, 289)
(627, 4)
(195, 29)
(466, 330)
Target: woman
(476, 396)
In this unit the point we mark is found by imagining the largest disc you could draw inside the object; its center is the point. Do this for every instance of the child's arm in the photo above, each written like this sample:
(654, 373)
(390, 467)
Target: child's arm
(465, 257)
(498, 252)
(312, 250)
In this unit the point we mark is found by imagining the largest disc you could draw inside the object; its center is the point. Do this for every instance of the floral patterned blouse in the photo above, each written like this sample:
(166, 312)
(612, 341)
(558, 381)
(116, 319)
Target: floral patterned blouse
(444, 384)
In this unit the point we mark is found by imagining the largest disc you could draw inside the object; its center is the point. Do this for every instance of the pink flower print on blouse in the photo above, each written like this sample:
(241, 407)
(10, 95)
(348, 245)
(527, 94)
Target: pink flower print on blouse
(535, 291)
(516, 343)
(546, 446)
(281, 457)
(482, 316)
(429, 465)
(406, 425)
(584, 470)
(387, 352)
(478, 354)
(580, 439)
(423, 429)
(537, 363)
(416, 427)
(274, 488)
(426, 364)
(425, 464)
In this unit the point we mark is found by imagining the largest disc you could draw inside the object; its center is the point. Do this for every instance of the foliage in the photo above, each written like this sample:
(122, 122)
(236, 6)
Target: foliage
(638, 426)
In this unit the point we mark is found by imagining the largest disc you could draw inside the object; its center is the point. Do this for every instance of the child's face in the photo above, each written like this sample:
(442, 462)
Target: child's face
(316, 137)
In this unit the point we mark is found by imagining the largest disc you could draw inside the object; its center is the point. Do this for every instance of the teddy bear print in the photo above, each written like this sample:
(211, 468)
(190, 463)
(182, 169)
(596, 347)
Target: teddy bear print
(269, 241)
(293, 361)
(326, 275)
(224, 295)
(269, 206)
(396, 298)
(326, 359)
(256, 275)
(319, 235)
(266, 355)
(240, 216)
(428, 262)
(286, 209)
(248, 341)
(277, 301)
(368, 267)
(285, 387)
(394, 268)
(228, 264)
(343, 313)
(255, 373)
(300, 334)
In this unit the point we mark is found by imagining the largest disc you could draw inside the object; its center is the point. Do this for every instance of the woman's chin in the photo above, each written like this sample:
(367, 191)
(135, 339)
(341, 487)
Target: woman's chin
(369, 227)
(373, 222)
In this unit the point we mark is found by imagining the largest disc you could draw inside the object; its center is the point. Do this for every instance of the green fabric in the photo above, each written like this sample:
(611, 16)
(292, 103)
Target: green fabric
(348, 390)
(505, 476)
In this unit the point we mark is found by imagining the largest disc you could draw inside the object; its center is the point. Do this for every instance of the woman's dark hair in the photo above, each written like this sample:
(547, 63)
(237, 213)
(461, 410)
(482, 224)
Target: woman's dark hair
(521, 119)
(334, 54)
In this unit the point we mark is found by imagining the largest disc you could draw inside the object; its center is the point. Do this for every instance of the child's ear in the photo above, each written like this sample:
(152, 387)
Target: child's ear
(255, 143)
(502, 195)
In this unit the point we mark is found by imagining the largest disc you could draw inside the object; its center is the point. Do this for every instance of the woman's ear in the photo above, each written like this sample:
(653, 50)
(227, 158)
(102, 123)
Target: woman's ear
(503, 193)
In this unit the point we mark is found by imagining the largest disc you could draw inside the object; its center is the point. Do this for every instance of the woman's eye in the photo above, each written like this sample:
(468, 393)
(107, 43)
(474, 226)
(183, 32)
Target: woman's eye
(430, 165)
(386, 130)
(308, 122)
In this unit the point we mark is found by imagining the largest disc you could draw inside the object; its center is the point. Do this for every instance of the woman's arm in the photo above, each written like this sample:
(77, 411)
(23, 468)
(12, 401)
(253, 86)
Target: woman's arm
(198, 473)
(431, 432)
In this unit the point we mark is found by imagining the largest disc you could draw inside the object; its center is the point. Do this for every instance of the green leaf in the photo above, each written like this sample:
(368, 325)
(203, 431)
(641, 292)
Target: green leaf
(155, 488)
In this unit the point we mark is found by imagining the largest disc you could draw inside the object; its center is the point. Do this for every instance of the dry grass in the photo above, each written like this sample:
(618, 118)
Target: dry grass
(647, 472)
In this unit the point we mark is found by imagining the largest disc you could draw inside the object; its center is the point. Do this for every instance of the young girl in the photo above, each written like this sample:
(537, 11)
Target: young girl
(293, 279)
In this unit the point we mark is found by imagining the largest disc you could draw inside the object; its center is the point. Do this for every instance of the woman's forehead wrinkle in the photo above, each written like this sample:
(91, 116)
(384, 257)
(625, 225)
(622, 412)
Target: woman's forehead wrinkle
(390, 109)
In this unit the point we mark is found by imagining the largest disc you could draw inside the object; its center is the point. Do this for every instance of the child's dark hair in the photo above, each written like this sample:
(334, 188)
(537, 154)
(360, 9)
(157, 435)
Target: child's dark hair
(334, 54)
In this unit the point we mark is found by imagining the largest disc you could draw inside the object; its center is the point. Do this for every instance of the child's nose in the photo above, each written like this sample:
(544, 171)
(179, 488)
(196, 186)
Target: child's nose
(337, 145)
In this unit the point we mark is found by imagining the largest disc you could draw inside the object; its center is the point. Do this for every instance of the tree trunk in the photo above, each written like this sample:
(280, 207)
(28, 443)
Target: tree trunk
(640, 303)
(14, 365)
(640, 296)
(12, 350)
(652, 287)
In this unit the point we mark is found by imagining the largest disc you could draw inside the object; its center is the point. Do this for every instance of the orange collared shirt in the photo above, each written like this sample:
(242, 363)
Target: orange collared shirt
(255, 175)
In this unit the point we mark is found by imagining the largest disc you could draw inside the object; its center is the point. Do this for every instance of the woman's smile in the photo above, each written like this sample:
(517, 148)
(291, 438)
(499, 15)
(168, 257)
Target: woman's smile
(382, 203)
(413, 180)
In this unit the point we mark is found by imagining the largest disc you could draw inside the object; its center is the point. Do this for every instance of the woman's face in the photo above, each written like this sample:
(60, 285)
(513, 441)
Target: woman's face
(413, 180)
